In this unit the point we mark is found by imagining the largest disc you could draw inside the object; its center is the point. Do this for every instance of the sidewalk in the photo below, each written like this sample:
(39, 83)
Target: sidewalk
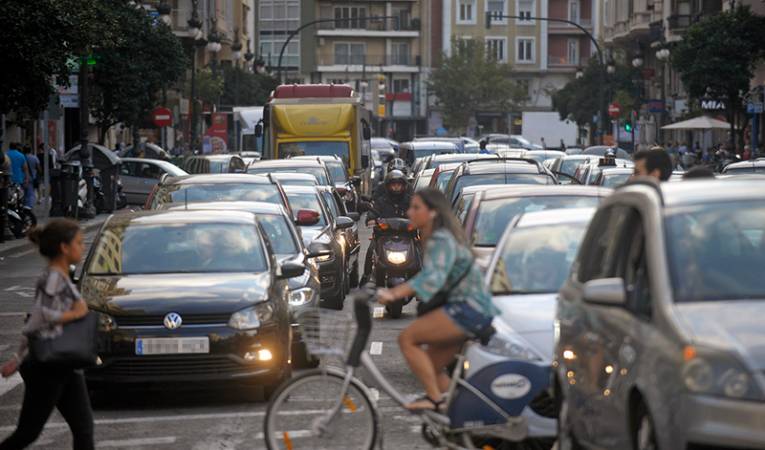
(13, 246)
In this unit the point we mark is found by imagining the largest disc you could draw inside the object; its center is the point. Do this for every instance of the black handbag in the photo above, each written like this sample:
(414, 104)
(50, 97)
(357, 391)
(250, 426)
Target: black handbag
(74, 348)
(440, 298)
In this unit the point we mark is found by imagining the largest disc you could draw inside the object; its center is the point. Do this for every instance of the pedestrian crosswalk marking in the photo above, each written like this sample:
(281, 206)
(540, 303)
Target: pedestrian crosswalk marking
(376, 348)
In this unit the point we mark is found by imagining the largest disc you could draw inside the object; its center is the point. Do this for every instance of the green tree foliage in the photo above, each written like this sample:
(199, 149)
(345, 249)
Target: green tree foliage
(244, 88)
(39, 37)
(580, 98)
(132, 72)
(209, 86)
(468, 81)
(720, 54)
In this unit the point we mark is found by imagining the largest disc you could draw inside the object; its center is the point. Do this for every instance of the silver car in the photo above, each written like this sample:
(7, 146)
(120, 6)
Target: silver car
(139, 177)
(660, 341)
(524, 276)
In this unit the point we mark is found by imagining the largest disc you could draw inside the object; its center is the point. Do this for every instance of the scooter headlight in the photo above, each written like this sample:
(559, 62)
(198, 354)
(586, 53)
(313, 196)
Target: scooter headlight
(396, 257)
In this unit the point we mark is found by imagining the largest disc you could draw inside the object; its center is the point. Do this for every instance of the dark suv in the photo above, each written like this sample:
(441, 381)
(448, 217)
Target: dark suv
(497, 171)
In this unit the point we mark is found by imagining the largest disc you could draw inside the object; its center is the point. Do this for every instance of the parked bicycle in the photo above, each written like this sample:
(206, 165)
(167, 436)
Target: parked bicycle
(330, 408)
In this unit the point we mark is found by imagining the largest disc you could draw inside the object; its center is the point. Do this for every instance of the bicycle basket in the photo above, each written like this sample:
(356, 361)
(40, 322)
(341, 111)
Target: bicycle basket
(326, 332)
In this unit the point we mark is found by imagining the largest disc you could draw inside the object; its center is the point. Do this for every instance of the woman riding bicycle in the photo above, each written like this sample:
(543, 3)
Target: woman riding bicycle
(431, 342)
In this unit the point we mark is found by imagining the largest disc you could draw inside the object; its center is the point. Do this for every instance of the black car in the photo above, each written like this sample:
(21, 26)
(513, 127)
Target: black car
(349, 236)
(216, 188)
(287, 244)
(497, 171)
(189, 296)
(323, 228)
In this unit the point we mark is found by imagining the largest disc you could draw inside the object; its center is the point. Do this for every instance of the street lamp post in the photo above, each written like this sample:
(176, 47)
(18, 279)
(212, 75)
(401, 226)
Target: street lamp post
(601, 56)
(195, 30)
(663, 56)
(637, 63)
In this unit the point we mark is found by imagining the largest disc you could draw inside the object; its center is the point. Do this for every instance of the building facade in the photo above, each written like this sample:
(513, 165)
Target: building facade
(544, 54)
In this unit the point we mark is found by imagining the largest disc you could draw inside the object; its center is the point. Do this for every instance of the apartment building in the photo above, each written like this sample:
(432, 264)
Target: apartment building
(275, 21)
(544, 54)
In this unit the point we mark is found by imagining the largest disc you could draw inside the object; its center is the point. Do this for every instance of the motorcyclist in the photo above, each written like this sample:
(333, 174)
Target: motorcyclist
(609, 159)
(389, 200)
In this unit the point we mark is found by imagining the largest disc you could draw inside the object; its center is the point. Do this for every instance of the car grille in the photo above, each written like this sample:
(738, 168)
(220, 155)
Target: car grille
(172, 365)
(158, 320)
(544, 405)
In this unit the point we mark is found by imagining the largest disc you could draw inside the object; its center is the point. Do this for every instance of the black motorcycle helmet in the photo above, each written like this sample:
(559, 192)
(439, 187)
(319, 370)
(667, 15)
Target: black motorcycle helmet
(395, 177)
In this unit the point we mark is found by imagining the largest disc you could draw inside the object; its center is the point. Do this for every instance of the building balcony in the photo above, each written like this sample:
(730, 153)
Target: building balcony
(370, 27)
(562, 62)
(567, 28)
(368, 63)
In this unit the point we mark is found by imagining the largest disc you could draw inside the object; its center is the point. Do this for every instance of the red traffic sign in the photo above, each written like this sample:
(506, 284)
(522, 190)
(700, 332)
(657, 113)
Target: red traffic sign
(614, 109)
(162, 117)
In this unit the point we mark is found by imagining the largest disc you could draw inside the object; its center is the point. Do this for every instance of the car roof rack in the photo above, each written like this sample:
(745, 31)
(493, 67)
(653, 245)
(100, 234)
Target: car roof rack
(645, 181)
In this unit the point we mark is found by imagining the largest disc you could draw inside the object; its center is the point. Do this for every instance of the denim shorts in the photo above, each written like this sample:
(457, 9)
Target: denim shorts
(471, 321)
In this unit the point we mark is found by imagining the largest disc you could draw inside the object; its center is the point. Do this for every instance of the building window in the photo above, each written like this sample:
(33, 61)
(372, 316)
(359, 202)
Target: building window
(270, 46)
(573, 52)
(464, 45)
(525, 51)
(401, 85)
(400, 54)
(497, 8)
(279, 15)
(573, 10)
(466, 11)
(349, 53)
(526, 9)
(496, 48)
(351, 17)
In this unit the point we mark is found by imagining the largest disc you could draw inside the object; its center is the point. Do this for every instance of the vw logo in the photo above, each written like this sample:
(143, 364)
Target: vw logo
(172, 321)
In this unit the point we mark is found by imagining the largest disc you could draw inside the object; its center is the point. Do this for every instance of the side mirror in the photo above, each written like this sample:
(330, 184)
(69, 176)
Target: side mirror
(605, 292)
(317, 249)
(344, 222)
(259, 130)
(354, 216)
(307, 217)
(290, 269)
(356, 180)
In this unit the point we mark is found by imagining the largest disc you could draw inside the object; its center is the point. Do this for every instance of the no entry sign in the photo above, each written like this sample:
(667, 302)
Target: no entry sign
(614, 109)
(162, 117)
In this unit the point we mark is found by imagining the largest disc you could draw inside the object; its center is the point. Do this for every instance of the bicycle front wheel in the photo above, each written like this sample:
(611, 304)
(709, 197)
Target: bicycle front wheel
(298, 415)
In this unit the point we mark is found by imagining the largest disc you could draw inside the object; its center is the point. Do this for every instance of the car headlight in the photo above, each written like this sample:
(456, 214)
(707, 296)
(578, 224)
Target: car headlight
(300, 297)
(716, 373)
(397, 258)
(511, 347)
(250, 318)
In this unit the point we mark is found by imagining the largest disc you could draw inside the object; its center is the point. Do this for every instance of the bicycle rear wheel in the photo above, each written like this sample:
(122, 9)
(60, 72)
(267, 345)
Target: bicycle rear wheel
(295, 413)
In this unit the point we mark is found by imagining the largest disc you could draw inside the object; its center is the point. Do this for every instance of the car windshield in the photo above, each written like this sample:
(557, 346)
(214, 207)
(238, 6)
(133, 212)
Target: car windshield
(318, 172)
(616, 179)
(716, 251)
(337, 171)
(499, 178)
(279, 233)
(424, 152)
(217, 192)
(569, 166)
(442, 182)
(494, 215)
(178, 248)
(307, 201)
(297, 182)
(536, 260)
(315, 148)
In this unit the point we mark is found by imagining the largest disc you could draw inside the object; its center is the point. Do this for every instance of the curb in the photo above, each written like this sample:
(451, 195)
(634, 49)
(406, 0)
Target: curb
(23, 244)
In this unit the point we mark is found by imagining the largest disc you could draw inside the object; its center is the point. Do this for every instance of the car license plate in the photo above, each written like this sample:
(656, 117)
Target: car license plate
(172, 346)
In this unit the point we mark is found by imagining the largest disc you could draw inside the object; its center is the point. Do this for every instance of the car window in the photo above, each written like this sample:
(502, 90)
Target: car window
(237, 165)
(494, 215)
(463, 207)
(178, 248)
(279, 233)
(127, 168)
(616, 179)
(716, 251)
(329, 200)
(603, 243)
(498, 178)
(536, 260)
(152, 171)
(633, 267)
(337, 171)
(219, 192)
(442, 182)
(318, 172)
(306, 201)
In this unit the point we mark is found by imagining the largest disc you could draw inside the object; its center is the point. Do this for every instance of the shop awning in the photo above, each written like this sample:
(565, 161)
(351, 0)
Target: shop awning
(699, 123)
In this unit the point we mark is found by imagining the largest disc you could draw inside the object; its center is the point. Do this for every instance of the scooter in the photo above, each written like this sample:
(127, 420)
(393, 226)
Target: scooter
(20, 217)
(396, 257)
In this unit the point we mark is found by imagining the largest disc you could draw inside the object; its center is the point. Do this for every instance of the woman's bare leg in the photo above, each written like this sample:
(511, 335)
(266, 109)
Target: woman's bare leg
(441, 356)
(433, 328)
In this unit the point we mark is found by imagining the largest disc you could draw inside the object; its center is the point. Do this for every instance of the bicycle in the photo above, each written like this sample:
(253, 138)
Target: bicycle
(318, 408)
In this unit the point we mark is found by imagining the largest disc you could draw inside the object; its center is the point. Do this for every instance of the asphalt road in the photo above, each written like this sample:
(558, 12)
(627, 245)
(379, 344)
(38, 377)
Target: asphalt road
(196, 417)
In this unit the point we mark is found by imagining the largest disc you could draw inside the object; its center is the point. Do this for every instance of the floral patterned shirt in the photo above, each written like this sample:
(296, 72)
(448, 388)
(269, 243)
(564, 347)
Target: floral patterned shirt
(444, 262)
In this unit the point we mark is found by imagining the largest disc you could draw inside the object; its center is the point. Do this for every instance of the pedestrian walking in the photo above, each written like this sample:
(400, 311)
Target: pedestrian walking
(455, 303)
(544, 144)
(47, 385)
(482, 146)
(19, 169)
(562, 146)
(33, 165)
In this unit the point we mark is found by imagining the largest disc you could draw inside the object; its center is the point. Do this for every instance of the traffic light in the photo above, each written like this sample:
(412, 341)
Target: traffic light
(628, 126)
(381, 101)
